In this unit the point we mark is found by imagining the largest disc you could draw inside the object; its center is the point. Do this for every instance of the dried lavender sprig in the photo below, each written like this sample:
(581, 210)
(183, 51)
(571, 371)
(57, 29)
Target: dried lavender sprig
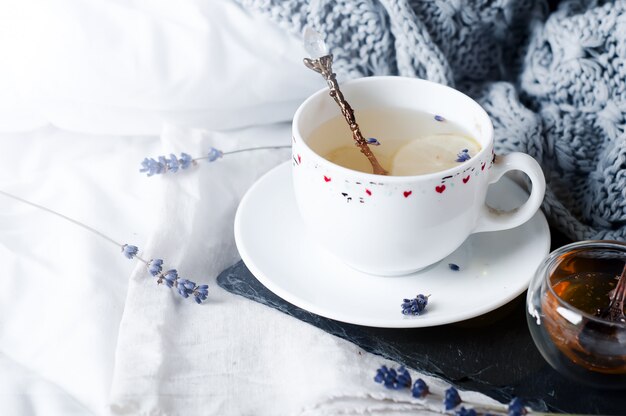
(516, 407)
(401, 379)
(414, 306)
(171, 279)
(173, 164)
(392, 378)
(420, 389)
(163, 165)
(185, 287)
(452, 398)
(463, 156)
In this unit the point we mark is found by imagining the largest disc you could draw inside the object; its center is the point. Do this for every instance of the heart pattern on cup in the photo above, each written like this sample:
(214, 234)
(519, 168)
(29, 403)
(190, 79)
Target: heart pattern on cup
(446, 181)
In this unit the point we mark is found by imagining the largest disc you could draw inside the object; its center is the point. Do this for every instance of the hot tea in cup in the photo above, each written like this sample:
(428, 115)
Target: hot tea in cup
(437, 145)
(407, 142)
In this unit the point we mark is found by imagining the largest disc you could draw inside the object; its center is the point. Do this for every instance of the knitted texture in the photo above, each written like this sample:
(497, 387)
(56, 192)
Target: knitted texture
(554, 85)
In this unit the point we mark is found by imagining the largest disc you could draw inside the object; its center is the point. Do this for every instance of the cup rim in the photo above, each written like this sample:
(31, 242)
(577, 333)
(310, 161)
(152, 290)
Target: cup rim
(389, 178)
(572, 246)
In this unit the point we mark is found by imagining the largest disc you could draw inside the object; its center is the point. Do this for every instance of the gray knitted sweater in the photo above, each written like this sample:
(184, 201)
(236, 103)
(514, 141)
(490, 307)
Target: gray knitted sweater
(553, 84)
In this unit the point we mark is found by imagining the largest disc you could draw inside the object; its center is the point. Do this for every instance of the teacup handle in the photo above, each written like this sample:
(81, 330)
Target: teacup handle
(493, 220)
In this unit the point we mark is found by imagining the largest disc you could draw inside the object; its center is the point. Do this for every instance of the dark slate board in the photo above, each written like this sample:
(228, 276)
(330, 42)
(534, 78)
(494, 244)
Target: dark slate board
(493, 354)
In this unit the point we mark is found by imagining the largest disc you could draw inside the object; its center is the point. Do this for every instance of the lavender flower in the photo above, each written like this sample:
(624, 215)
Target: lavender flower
(185, 160)
(155, 266)
(516, 407)
(169, 277)
(200, 293)
(463, 156)
(172, 164)
(146, 166)
(452, 398)
(373, 141)
(439, 118)
(185, 287)
(151, 167)
(401, 379)
(129, 251)
(392, 379)
(419, 389)
(414, 306)
(214, 154)
(465, 412)
(164, 165)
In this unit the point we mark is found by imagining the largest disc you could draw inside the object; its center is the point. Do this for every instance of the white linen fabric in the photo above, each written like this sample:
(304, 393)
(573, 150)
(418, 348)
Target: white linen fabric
(232, 356)
(110, 67)
(76, 337)
(63, 288)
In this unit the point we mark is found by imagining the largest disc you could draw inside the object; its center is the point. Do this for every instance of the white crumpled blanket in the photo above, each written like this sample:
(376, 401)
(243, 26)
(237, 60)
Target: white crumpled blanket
(232, 356)
(83, 81)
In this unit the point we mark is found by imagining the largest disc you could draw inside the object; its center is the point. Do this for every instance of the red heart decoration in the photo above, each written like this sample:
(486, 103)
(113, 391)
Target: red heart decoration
(466, 179)
(440, 189)
(326, 178)
(367, 191)
(407, 193)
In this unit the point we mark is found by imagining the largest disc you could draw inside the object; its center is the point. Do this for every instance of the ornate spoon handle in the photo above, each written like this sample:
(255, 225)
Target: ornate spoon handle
(323, 65)
(615, 311)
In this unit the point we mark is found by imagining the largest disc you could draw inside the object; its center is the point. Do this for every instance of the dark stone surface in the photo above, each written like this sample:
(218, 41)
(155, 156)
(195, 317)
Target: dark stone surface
(493, 354)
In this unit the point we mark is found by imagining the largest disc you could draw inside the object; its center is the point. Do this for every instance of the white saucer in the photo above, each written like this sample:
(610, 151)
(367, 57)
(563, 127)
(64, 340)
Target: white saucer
(494, 267)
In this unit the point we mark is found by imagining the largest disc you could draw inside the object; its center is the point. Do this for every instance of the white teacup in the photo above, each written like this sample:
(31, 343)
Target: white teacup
(404, 223)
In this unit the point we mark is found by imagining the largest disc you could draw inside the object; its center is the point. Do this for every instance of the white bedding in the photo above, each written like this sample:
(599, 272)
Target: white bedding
(112, 67)
(86, 90)
(63, 288)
